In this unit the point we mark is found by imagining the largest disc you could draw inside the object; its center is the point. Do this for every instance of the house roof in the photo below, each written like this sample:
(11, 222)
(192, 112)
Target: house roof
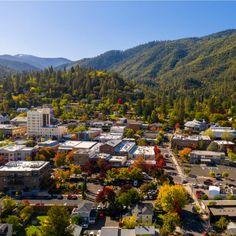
(85, 209)
(113, 143)
(143, 208)
(144, 230)
(109, 231)
(127, 232)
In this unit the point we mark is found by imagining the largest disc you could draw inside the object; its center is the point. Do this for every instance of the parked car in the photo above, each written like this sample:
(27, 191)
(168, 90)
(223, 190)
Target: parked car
(208, 182)
(218, 176)
(199, 194)
(59, 197)
(72, 197)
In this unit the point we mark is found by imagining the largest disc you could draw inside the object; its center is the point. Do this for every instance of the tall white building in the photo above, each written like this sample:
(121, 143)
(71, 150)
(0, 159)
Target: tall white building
(38, 124)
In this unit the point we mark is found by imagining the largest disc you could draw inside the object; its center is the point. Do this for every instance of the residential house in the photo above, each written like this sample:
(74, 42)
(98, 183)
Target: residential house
(110, 231)
(145, 231)
(137, 231)
(195, 125)
(87, 213)
(231, 229)
(4, 118)
(143, 212)
(6, 229)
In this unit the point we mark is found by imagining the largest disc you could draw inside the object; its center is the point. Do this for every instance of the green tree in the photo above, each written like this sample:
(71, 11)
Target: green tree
(8, 204)
(209, 133)
(212, 174)
(57, 222)
(129, 197)
(231, 155)
(170, 221)
(129, 133)
(213, 147)
(76, 219)
(227, 136)
(26, 213)
(16, 223)
(222, 223)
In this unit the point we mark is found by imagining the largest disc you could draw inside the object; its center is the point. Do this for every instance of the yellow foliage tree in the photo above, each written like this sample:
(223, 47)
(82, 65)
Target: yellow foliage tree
(172, 198)
(129, 222)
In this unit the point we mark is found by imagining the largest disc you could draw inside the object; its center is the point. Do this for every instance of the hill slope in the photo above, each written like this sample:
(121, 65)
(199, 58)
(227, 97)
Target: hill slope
(21, 62)
(206, 57)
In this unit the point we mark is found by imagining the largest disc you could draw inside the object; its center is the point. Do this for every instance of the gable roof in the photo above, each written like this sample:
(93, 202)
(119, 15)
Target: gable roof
(144, 230)
(143, 208)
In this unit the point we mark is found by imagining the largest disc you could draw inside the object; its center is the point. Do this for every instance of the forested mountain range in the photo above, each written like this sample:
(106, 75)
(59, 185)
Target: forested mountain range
(181, 79)
(211, 56)
(22, 62)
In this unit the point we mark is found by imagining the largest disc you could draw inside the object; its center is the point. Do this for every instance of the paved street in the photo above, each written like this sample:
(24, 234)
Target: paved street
(191, 223)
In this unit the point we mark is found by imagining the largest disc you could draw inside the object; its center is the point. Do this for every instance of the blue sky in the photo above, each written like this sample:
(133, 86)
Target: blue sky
(84, 29)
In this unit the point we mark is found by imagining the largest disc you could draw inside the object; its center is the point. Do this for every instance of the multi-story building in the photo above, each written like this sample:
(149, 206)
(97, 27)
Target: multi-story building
(218, 131)
(16, 152)
(110, 146)
(193, 141)
(82, 150)
(23, 175)
(206, 157)
(12, 131)
(38, 124)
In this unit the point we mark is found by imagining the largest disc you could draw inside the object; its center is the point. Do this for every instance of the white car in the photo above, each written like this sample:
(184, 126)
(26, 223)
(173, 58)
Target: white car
(99, 190)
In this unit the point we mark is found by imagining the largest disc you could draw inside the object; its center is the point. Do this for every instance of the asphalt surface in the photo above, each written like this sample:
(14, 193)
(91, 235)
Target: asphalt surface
(191, 223)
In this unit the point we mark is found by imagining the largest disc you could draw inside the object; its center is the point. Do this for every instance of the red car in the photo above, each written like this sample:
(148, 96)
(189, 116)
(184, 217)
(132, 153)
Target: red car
(199, 194)
(72, 197)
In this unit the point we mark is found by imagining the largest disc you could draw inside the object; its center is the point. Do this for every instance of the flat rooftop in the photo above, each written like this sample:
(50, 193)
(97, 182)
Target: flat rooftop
(125, 146)
(7, 126)
(23, 165)
(191, 137)
(16, 147)
(78, 144)
(118, 158)
(145, 150)
(207, 153)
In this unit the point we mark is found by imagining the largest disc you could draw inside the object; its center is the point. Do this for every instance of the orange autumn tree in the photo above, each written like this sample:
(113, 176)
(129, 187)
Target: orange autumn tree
(185, 152)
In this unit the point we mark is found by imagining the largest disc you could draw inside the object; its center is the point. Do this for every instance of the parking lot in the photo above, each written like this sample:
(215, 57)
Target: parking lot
(203, 171)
